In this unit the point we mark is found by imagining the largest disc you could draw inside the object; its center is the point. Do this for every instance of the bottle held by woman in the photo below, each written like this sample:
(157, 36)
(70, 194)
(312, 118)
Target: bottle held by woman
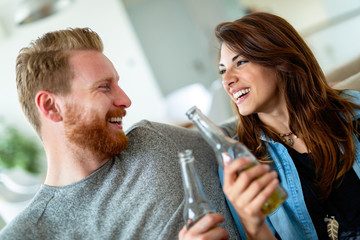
(228, 149)
(288, 114)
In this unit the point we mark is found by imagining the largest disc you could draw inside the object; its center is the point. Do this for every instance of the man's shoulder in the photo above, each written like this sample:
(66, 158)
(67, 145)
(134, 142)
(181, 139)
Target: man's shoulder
(149, 132)
(20, 227)
(228, 126)
(152, 129)
(23, 225)
(155, 135)
(152, 126)
(140, 124)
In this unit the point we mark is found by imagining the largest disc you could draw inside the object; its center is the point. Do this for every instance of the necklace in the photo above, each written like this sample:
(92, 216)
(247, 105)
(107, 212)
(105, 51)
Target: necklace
(287, 139)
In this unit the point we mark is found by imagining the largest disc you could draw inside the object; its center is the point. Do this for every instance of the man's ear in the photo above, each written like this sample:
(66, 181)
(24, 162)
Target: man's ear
(46, 103)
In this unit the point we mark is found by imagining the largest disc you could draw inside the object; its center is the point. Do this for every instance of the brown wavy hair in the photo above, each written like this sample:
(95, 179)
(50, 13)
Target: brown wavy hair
(318, 114)
(44, 65)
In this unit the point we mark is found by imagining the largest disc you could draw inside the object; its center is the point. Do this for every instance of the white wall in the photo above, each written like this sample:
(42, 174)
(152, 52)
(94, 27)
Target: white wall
(334, 45)
(109, 19)
(340, 42)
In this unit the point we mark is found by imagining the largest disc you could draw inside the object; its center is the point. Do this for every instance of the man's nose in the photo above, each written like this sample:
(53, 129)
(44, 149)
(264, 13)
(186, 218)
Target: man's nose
(121, 99)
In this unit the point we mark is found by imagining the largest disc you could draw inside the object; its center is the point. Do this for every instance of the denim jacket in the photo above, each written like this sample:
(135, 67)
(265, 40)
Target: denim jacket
(292, 220)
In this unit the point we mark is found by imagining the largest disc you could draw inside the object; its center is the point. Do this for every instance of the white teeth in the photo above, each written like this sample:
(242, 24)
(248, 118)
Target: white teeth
(240, 93)
(116, 119)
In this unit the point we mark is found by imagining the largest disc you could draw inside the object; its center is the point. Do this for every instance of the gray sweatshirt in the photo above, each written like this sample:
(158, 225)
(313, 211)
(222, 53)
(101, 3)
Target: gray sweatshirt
(136, 195)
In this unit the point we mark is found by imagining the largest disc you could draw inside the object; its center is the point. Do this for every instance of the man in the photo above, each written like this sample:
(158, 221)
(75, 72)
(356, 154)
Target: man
(101, 183)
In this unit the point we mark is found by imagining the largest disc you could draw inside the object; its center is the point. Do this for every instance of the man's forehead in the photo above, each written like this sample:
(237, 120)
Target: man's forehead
(92, 66)
(84, 56)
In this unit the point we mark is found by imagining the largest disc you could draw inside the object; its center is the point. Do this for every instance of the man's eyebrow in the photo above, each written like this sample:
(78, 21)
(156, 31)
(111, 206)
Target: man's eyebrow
(106, 79)
(109, 79)
(233, 59)
(100, 81)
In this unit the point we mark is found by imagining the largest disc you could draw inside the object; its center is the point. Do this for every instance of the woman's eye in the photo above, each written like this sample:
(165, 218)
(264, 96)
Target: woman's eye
(241, 62)
(222, 71)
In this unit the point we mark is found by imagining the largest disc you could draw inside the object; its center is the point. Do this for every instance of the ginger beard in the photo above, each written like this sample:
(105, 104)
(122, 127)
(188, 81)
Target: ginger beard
(91, 132)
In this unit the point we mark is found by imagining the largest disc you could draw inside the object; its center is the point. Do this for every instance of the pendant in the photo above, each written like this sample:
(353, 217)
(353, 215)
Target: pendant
(289, 141)
(332, 227)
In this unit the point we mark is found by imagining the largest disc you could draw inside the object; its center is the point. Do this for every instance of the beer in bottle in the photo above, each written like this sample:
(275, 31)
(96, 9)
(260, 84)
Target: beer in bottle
(228, 149)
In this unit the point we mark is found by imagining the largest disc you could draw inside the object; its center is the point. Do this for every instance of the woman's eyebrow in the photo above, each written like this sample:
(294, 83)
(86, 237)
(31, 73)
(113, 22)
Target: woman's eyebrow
(233, 59)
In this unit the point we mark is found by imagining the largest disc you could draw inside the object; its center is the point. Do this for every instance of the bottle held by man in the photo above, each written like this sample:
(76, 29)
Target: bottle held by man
(197, 204)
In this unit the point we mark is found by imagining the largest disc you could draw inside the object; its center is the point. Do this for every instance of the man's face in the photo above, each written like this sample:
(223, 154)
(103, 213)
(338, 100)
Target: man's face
(95, 106)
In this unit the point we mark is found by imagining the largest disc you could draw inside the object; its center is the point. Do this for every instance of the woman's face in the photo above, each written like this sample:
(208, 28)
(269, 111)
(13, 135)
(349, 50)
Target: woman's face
(254, 88)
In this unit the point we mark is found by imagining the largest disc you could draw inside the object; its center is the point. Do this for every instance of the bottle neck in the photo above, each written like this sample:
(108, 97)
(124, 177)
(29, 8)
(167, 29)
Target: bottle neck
(214, 135)
(192, 185)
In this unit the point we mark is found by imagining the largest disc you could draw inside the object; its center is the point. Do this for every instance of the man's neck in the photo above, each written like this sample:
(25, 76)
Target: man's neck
(70, 165)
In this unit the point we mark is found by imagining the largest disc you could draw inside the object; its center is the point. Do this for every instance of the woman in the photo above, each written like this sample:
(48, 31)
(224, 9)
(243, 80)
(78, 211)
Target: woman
(290, 117)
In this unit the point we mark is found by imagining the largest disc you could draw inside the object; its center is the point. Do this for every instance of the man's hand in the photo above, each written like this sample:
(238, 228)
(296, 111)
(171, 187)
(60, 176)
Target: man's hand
(205, 229)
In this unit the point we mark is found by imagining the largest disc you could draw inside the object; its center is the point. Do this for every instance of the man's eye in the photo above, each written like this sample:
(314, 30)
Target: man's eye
(107, 87)
(222, 71)
(241, 62)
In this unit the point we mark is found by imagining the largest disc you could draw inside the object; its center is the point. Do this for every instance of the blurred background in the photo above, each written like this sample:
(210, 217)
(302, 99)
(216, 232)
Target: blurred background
(166, 56)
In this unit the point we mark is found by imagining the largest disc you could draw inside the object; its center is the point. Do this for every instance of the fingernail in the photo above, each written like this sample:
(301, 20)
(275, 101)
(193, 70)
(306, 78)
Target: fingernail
(266, 167)
(275, 181)
(226, 158)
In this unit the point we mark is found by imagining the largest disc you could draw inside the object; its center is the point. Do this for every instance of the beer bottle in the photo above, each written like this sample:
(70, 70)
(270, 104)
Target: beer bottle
(228, 149)
(197, 204)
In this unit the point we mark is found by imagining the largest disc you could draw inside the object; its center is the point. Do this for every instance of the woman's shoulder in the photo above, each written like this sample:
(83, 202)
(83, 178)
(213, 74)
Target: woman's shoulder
(353, 95)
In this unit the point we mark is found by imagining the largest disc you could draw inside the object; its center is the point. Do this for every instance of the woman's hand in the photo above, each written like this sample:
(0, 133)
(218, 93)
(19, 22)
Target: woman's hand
(205, 229)
(248, 191)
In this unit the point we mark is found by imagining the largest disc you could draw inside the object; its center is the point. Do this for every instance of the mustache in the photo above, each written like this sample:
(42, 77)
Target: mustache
(115, 113)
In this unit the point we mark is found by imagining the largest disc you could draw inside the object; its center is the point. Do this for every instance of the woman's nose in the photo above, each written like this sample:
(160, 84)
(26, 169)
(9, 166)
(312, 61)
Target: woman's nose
(121, 99)
(229, 78)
